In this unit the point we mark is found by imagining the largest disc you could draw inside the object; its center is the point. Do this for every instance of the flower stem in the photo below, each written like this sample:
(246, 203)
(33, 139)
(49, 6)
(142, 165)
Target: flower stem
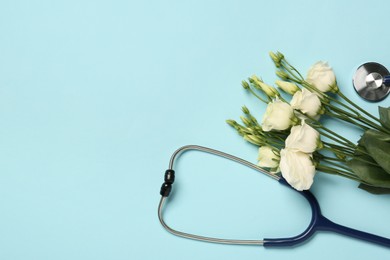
(339, 147)
(347, 119)
(356, 115)
(335, 139)
(331, 170)
(332, 158)
(330, 161)
(292, 68)
(357, 107)
(343, 139)
(359, 118)
(349, 154)
(260, 98)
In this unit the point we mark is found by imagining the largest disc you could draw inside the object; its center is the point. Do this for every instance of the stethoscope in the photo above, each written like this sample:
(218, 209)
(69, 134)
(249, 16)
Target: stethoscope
(372, 81)
(318, 221)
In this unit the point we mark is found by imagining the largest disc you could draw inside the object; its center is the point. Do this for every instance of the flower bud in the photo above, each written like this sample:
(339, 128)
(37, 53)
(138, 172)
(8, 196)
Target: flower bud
(255, 80)
(280, 55)
(275, 59)
(288, 87)
(245, 120)
(253, 139)
(267, 89)
(282, 75)
(231, 122)
(245, 84)
(245, 110)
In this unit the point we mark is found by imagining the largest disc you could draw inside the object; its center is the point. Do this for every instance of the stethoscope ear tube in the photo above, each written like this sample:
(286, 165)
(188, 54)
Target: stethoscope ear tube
(166, 189)
(318, 221)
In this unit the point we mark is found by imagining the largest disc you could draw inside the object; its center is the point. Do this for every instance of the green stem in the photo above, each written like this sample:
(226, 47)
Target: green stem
(347, 119)
(321, 126)
(328, 161)
(358, 118)
(356, 115)
(295, 77)
(339, 147)
(293, 68)
(324, 157)
(331, 158)
(342, 173)
(338, 136)
(357, 107)
(337, 151)
(253, 93)
(335, 139)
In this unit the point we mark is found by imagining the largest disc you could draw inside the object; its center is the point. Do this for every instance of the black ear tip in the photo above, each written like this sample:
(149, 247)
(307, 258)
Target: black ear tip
(169, 178)
(165, 189)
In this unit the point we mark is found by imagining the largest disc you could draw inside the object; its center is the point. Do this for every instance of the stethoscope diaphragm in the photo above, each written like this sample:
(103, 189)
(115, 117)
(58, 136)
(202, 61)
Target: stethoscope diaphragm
(370, 81)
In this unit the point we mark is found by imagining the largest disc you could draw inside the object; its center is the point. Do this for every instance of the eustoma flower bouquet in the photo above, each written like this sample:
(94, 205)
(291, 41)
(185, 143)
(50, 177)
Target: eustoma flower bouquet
(294, 142)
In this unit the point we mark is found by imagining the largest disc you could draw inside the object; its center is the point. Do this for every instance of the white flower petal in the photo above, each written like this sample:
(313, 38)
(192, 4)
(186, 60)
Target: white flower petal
(321, 76)
(306, 102)
(297, 169)
(303, 138)
(278, 116)
(267, 158)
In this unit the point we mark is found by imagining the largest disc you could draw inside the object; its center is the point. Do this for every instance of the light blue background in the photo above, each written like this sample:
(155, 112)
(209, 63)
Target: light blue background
(96, 95)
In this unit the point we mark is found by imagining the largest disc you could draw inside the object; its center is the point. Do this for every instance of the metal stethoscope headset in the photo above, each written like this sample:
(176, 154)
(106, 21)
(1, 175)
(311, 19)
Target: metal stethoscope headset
(318, 221)
(372, 82)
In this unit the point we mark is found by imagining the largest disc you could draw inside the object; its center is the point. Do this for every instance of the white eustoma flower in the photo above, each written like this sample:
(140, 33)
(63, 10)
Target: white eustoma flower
(278, 116)
(286, 86)
(321, 76)
(297, 169)
(268, 158)
(306, 102)
(303, 138)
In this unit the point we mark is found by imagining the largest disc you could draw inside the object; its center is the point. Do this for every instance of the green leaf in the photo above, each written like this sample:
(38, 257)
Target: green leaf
(369, 173)
(374, 190)
(384, 116)
(374, 134)
(378, 146)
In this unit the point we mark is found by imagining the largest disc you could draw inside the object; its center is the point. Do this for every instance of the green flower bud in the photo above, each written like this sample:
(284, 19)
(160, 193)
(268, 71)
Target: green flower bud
(245, 84)
(245, 120)
(280, 55)
(275, 59)
(245, 110)
(282, 75)
(287, 87)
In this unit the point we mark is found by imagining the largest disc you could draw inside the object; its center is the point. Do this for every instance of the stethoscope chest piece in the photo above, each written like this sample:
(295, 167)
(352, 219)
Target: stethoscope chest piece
(372, 81)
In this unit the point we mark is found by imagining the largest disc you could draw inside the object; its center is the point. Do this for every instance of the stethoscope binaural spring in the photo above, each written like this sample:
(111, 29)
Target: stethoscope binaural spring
(318, 221)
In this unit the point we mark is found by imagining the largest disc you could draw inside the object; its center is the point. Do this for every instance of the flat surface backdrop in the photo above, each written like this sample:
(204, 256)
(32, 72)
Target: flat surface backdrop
(96, 95)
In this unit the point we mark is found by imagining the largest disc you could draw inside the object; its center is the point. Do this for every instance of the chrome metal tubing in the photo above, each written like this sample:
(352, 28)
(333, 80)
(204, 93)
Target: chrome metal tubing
(203, 238)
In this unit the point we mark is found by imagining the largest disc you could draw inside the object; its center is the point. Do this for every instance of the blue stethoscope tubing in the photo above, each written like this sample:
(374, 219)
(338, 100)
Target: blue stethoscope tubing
(318, 221)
